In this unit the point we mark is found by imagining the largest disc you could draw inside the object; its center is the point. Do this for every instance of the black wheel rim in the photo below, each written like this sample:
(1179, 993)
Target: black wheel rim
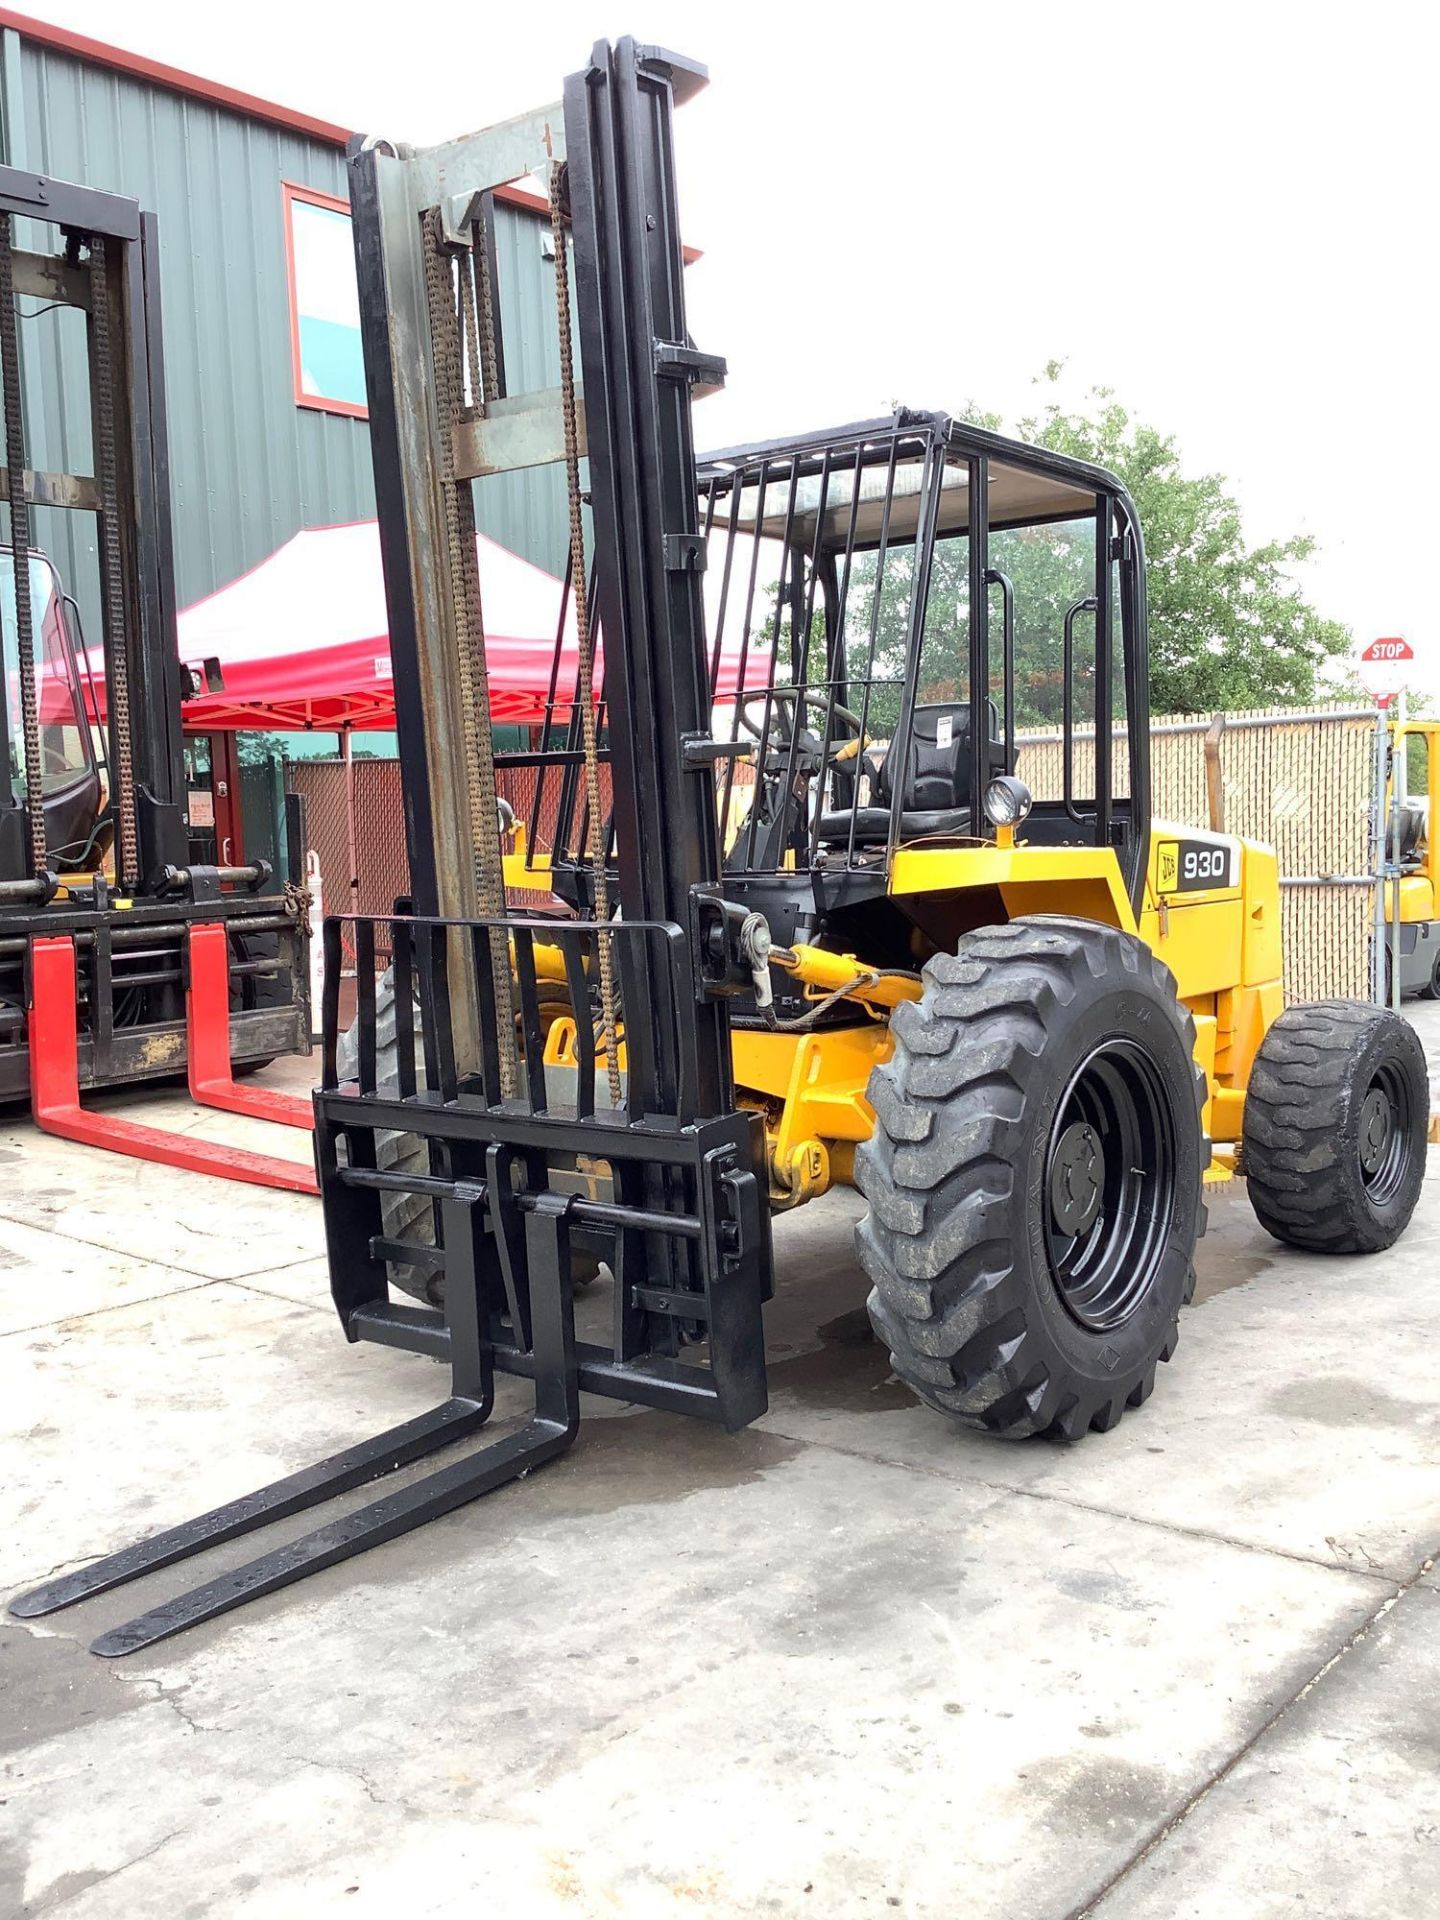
(1386, 1136)
(1109, 1192)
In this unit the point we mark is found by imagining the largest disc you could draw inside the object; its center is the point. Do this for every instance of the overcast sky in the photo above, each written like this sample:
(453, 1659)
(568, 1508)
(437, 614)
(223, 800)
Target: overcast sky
(1227, 213)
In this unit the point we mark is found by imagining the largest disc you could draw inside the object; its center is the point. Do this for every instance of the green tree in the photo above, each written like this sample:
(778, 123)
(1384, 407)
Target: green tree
(256, 748)
(1228, 625)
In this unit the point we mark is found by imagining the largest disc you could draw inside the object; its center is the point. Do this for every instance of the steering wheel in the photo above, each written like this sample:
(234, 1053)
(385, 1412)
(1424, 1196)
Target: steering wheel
(787, 702)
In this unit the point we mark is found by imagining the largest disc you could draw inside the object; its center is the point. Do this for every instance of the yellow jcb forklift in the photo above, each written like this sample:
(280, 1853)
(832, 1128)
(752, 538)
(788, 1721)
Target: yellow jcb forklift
(815, 930)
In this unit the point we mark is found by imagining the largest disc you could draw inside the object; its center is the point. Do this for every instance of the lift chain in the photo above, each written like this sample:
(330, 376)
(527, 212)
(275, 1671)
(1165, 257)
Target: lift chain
(20, 545)
(478, 745)
(477, 319)
(585, 652)
(297, 904)
(117, 666)
(479, 391)
(489, 362)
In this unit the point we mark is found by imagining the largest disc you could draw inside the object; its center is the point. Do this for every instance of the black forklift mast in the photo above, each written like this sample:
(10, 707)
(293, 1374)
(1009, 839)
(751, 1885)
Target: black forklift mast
(666, 1178)
(640, 367)
(117, 287)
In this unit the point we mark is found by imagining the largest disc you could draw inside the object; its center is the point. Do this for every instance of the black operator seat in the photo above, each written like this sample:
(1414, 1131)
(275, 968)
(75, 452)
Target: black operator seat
(934, 767)
(1408, 820)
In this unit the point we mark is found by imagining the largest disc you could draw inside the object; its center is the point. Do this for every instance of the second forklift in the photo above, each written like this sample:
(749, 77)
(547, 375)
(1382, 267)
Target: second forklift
(121, 959)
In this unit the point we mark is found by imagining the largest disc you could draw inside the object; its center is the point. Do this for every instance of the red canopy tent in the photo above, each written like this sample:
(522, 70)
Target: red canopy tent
(302, 642)
(303, 639)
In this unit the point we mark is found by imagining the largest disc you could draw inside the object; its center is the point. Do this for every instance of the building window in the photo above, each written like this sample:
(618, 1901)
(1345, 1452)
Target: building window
(324, 303)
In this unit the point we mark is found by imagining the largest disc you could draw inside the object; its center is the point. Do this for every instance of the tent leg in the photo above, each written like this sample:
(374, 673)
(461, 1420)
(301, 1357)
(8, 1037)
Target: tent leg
(347, 746)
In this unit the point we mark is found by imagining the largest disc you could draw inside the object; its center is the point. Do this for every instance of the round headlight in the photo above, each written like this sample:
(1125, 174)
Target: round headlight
(1007, 801)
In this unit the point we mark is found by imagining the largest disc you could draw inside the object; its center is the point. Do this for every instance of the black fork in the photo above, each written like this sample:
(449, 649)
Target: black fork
(547, 1433)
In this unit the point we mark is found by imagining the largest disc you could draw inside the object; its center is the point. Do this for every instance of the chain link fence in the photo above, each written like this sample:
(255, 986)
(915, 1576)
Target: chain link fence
(381, 863)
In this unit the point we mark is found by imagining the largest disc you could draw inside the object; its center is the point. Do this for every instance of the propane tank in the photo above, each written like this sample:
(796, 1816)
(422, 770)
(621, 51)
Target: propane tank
(314, 887)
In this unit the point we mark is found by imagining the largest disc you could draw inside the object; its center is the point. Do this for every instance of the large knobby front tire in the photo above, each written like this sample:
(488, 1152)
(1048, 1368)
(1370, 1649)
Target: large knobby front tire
(1034, 1178)
(1335, 1129)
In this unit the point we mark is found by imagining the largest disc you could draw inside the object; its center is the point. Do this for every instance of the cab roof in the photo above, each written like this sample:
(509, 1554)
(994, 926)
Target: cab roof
(776, 485)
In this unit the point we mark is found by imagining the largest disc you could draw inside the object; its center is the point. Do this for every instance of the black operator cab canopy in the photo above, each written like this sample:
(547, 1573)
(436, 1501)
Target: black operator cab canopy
(1019, 495)
(902, 589)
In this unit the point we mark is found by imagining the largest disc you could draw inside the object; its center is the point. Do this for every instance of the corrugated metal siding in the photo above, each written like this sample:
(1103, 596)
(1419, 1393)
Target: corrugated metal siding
(527, 510)
(250, 468)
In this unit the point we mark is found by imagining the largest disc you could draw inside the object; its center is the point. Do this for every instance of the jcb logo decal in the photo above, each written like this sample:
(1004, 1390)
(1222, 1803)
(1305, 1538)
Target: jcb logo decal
(1169, 866)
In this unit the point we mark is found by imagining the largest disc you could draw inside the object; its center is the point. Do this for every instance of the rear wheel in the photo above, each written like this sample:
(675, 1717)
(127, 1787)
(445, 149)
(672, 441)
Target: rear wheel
(1336, 1117)
(1034, 1178)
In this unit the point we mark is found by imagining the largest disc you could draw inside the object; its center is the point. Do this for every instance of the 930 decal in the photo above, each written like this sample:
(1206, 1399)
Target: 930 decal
(1192, 866)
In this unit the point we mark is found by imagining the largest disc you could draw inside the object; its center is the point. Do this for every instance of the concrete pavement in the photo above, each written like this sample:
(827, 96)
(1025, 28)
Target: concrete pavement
(848, 1662)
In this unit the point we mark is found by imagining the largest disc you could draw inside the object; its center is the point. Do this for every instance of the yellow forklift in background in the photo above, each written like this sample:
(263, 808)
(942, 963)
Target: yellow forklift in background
(1409, 922)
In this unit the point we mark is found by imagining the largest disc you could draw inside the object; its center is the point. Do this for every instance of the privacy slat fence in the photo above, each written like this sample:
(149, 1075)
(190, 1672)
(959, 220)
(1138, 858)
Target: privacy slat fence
(1302, 782)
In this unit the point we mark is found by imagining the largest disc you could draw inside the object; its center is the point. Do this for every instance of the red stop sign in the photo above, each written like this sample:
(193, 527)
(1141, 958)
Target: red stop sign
(1385, 667)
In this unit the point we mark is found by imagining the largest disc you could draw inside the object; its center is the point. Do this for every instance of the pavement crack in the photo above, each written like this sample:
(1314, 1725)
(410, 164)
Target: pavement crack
(69, 1233)
(172, 1698)
(351, 1771)
(115, 1306)
(41, 1628)
(104, 1879)
(1218, 1775)
(251, 1285)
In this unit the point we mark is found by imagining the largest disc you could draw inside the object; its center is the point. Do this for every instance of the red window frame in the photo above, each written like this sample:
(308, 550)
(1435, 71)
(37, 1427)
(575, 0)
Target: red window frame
(310, 197)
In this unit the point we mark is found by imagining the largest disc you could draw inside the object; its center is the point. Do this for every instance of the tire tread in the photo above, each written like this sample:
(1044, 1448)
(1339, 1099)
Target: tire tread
(937, 1241)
